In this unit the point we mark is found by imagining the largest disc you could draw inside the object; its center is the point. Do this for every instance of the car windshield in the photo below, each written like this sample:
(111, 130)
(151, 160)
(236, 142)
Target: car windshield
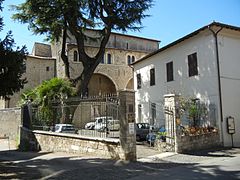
(57, 128)
(143, 126)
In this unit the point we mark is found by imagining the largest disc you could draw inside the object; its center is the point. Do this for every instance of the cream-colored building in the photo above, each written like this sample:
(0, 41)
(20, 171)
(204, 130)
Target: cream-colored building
(112, 74)
(203, 64)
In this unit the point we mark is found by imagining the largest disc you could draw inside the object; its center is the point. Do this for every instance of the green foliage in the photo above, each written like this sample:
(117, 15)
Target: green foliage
(194, 108)
(12, 64)
(51, 16)
(45, 94)
(54, 89)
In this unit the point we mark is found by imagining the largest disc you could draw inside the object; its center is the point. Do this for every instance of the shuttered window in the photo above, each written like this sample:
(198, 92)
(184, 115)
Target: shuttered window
(152, 76)
(139, 81)
(192, 65)
(169, 67)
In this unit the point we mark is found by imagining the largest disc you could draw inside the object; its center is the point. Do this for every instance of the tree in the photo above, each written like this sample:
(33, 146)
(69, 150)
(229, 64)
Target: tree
(12, 64)
(58, 17)
(46, 94)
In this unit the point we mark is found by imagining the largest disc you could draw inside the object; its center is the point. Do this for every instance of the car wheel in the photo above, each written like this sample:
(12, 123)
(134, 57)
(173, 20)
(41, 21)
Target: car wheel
(138, 138)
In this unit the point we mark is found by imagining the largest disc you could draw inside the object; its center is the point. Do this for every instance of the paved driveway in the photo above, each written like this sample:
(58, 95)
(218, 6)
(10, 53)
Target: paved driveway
(222, 164)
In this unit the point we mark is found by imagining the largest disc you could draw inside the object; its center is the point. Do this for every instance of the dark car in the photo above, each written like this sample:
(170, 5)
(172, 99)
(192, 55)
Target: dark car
(142, 130)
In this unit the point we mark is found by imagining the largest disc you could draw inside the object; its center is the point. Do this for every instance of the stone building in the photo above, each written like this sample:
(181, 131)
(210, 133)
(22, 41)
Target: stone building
(112, 74)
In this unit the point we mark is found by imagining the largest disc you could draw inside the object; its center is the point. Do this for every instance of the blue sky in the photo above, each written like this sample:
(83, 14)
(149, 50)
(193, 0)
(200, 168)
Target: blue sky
(169, 20)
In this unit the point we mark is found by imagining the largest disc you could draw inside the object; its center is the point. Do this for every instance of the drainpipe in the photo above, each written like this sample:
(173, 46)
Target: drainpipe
(215, 33)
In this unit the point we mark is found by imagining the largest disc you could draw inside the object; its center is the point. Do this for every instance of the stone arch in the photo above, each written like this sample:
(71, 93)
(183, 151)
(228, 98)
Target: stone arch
(130, 85)
(101, 84)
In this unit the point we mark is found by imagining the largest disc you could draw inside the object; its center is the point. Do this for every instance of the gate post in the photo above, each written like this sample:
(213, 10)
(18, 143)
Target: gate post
(171, 104)
(127, 125)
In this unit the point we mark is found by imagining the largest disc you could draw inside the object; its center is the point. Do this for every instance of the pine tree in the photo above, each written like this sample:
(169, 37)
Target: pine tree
(56, 18)
(12, 64)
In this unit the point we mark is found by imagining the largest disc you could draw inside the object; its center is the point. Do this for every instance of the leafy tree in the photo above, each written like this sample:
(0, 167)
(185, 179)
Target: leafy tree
(58, 17)
(12, 64)
(45, 94)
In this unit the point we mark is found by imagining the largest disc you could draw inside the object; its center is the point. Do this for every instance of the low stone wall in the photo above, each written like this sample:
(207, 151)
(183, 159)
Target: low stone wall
(71, 143)
(10, 120)
(198, 142)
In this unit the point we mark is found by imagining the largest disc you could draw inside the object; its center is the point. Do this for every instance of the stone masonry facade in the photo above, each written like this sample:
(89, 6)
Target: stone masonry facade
(45, 63)
(10, 121)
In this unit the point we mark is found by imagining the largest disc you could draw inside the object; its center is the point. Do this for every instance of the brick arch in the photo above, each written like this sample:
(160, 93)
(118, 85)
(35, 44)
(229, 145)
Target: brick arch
(101, 84)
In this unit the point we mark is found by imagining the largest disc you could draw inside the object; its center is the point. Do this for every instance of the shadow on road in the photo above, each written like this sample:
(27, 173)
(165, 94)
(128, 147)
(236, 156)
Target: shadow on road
(25, 165)
(220, 152)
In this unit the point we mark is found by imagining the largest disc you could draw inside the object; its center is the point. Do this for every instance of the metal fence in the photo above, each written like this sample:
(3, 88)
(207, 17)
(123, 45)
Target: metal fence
(92, 116)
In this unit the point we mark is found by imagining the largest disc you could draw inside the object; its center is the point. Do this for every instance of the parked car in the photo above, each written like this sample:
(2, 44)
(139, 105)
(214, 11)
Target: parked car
(65, 128)
(142, 130)
(97, 121)
(111, 125)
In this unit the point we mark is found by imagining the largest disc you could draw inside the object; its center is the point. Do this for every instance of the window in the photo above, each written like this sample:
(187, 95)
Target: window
(133, 59)
(152, 76)
(129, 59)
(109, 58)
(102, 60)
(75, 56)
(192, 65)
(47, 68)
(139, 113)
(130, 108)
(169, 67)
(139, 81)
(153, 113)
(24, 67)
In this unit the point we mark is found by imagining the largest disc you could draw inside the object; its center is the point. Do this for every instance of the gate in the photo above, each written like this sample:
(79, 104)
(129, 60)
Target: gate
(100, 113)
(170, 129)
(163, 122)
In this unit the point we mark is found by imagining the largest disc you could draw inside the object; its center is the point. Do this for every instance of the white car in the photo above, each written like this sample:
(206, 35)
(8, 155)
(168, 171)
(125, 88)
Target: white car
(111, 125)
(98, 121)
(65, 128)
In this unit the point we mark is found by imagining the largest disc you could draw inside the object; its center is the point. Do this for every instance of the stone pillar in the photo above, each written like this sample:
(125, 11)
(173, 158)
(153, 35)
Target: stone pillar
(127, 125)
(171, 119)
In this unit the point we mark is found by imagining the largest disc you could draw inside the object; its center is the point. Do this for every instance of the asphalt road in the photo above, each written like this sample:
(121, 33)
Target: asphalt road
(221, 164)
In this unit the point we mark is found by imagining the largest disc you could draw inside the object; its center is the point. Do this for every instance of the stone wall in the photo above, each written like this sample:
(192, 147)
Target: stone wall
(10, 120)
(198, 142)
(71, 143)
(38, 69)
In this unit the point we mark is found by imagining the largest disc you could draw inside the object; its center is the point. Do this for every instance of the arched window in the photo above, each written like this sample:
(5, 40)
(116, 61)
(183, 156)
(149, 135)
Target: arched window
(133, 59)
(75, 56)
(129, 59)
(109, 58)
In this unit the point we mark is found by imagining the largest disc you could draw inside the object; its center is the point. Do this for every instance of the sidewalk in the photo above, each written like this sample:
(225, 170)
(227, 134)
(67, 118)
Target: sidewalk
(205, 165)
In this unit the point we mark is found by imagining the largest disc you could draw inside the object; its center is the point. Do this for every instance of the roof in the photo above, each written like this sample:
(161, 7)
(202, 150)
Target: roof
(41, 49)
(187, 37)
(138, 37)
(41, 57)
(127, 35)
